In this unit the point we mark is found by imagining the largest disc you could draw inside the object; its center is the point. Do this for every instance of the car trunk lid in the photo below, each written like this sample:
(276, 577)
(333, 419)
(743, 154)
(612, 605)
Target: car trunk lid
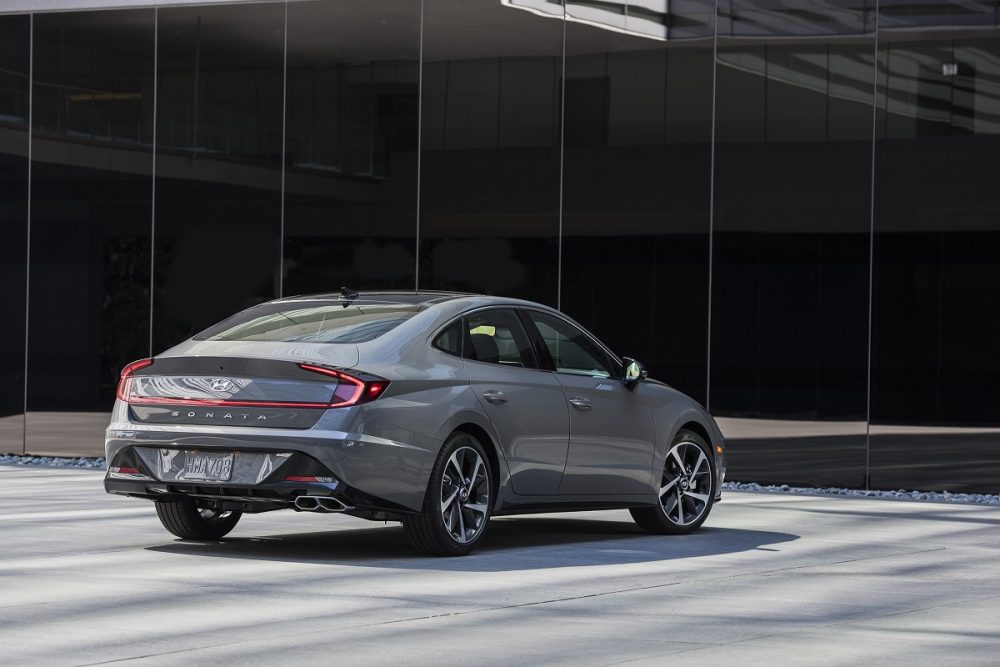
(237, 391)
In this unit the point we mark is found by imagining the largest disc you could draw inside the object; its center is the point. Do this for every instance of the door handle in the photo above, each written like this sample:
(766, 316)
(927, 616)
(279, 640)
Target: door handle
(493, 396)
(580, 403)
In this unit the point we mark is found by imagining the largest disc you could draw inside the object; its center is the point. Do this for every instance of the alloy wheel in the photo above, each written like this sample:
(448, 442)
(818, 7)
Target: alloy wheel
(686, 485)
(465, 494)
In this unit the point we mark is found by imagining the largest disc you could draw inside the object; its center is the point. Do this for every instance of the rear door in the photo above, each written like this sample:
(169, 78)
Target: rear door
(611, 427)
(525, 404)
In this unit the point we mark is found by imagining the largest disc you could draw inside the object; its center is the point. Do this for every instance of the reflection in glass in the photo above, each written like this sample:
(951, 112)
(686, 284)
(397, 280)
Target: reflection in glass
(791, 242)
(794, 18)
(351, 170)
(490, 149)
(791, 84)
(90, 220)
(218, 164)
(636, 193)
(652, 19)
(14, 40)
(936, 352)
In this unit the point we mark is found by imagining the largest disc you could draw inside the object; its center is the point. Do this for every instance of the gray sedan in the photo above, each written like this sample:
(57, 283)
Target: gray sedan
(435, 409)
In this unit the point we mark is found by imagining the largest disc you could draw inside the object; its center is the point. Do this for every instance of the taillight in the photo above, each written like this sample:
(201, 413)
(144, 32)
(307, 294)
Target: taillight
(351, 389)
(125, 382)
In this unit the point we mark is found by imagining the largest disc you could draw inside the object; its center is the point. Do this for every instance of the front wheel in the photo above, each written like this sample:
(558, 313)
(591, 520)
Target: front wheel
(189, 522)
(458, 503)
(686, 491)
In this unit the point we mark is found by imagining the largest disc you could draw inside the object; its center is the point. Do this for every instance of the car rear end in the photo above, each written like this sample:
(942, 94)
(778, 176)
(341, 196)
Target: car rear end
(267, 410)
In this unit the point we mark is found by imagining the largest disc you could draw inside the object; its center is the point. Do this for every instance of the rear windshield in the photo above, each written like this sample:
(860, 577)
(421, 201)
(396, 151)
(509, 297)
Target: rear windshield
(312, 322)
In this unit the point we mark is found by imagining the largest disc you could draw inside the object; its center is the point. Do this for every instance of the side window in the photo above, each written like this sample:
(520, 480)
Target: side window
(572, 350)
(497, 336)
(450, 340)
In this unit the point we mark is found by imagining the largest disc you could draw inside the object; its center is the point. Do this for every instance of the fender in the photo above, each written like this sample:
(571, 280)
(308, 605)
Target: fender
(675, 409)
(473, 416)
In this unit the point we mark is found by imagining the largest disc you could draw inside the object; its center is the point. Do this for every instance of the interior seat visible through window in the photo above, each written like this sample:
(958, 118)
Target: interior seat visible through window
(486, 348)
(496, 336)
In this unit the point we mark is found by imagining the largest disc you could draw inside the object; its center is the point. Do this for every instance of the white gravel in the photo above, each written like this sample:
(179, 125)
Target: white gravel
(927, 496)
(54, 461)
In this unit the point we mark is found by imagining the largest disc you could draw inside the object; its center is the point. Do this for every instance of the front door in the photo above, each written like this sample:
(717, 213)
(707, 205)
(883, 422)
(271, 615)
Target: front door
(611, 427)
(525, 404)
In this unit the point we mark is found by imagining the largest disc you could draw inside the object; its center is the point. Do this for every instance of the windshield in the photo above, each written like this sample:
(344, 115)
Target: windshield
(311, 322)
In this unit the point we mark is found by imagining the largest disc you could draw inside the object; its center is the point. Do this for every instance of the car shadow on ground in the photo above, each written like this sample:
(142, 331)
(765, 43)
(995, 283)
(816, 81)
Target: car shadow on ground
(512, 543)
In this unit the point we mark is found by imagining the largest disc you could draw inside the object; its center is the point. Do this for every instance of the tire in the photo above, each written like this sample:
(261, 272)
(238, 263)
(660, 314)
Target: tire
(185, 520)
(454, 505)
(685, 491)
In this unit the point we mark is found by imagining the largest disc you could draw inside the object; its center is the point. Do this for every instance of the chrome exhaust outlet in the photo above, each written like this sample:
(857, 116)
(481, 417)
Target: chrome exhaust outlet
(332, 505)
(306, 503)
(319, 504)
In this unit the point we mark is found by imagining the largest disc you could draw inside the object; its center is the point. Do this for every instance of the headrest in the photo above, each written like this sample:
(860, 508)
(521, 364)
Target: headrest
(486, 348)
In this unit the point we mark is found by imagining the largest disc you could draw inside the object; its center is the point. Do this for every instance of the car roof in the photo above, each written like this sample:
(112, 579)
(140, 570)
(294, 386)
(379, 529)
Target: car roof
(423, 297)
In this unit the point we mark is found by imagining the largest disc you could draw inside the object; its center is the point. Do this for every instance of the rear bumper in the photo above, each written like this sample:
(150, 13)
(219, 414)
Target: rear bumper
(376, 466)
(264, 497)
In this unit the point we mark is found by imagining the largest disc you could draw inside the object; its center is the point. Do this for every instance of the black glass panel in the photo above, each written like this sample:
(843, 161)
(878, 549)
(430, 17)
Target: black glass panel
(218, 164)
(791, 247)
(795, 18)
(637, 189)
(908, 14)
(351, 172)
(490, 148)
(14, 57)
(90, 220)
(936, 348)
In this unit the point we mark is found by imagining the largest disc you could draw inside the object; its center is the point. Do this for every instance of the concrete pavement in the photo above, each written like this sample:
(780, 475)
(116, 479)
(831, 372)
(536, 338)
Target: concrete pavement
(87, 578)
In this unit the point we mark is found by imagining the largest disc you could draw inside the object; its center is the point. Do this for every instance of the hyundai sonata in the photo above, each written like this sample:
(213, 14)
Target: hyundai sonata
(438, 410)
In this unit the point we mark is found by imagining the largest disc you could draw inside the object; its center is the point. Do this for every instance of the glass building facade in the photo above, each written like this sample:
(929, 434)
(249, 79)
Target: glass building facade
(789, 209)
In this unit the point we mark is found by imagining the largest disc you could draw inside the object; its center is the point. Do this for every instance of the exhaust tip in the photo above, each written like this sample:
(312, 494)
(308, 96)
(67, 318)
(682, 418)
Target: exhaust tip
(331, 504)
(320, 504)
(306, 503)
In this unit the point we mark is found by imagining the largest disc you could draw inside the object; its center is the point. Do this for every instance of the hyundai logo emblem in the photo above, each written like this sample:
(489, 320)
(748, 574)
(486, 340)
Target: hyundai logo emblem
(220, 384)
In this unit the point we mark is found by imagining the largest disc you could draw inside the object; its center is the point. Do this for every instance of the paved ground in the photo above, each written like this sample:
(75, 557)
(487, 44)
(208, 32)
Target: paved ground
(87, 578)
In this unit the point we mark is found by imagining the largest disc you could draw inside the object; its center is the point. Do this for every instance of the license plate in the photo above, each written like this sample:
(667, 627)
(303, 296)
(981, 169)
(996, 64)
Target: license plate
(208, 467)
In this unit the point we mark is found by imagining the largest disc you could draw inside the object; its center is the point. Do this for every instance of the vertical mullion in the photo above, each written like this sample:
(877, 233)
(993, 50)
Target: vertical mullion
(420, 136)
(711, 207)
(284, 157)
(152, 222)
(562, 160)
(27, 248)
(871, 255)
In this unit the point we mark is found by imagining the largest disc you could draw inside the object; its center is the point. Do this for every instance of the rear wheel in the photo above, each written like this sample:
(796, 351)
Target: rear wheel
(189, 522)
(686, 490)
(458, 502)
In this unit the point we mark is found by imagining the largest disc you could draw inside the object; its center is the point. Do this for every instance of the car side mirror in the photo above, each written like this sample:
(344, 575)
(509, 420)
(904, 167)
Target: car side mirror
(634, 372)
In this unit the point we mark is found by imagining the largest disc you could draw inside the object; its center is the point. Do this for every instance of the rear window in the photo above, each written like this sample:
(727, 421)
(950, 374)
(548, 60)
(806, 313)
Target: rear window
(311, 322)
(450, 340)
